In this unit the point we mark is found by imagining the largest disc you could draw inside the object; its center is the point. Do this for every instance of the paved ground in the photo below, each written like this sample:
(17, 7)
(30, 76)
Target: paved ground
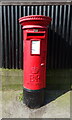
(0, 105)
(57, 105)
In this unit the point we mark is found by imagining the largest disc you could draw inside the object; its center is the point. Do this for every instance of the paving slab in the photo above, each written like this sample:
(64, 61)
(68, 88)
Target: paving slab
(58, 107)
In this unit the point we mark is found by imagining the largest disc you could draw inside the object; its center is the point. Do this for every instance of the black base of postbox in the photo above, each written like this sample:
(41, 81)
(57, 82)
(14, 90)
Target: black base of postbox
(33, 98)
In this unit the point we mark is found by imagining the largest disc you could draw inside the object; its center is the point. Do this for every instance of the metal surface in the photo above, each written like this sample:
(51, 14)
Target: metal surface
(1, 42)
(60, 34)
(35, 50)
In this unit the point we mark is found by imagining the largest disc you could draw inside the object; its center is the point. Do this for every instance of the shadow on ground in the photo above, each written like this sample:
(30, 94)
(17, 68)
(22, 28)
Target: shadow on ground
(51, 95)
(58, 83)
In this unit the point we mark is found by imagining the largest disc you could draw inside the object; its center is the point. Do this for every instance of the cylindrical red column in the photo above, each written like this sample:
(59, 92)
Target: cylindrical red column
(35, 35)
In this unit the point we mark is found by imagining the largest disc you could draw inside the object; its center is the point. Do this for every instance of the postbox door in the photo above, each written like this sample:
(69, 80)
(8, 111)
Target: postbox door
(38, 53)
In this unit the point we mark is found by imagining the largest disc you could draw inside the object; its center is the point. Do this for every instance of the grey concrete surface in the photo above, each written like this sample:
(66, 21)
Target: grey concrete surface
(57, 108)
(37, 2)
(0, 105)
(57, 104)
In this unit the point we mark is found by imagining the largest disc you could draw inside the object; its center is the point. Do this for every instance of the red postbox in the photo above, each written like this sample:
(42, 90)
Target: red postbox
(35, 35)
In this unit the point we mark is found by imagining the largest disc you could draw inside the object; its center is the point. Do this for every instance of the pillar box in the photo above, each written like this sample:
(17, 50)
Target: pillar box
(35, 36)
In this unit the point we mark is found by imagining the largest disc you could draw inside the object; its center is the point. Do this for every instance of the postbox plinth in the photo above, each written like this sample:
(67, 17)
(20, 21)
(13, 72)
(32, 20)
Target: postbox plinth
(35, 34)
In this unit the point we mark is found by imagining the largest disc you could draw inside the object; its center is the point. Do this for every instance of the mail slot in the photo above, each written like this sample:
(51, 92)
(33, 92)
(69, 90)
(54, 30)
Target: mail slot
(35, 35)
